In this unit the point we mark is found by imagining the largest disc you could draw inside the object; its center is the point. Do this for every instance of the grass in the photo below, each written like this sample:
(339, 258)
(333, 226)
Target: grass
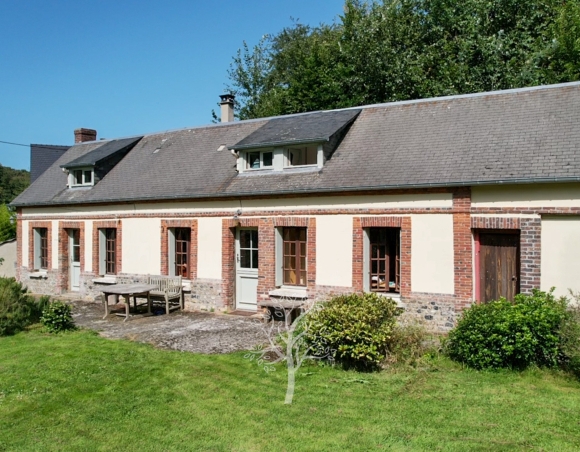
(77, 391)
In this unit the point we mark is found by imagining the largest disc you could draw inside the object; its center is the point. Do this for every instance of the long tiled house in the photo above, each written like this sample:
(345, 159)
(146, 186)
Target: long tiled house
(438, 203)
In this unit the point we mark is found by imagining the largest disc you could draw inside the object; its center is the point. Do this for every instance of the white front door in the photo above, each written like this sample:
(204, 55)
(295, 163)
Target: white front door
(247, 269)
(74, 253)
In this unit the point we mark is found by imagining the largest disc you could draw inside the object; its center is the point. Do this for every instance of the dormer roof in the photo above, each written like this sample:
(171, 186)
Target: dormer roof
(316, 127)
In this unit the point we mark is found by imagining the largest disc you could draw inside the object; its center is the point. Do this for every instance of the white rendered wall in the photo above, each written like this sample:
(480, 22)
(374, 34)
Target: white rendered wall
(432, 254)
(54, 243)
(560, 254)
(528, 195)
(209, 248)
(24, 241)
(334, 250)
(88, 251)
(141, 246)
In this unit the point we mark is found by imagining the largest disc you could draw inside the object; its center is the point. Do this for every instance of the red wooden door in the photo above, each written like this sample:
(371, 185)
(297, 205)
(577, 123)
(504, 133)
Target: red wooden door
(499, 266)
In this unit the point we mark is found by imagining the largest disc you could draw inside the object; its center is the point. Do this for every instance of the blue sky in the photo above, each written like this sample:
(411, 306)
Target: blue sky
(124, 67)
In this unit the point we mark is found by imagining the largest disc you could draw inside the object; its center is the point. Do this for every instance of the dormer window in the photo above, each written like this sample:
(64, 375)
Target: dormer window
(301, 156)
(81, 177)
(259, 160)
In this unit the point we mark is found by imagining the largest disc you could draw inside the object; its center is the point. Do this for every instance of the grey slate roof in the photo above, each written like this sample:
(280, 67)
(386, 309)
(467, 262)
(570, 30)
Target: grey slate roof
(298, 129)
(526, 135)
(42, 156)
(106, 150)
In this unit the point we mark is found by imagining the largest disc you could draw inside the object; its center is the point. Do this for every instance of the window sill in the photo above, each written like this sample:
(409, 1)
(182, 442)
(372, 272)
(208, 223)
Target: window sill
(38, 275)
(289, 292)
(106, 280)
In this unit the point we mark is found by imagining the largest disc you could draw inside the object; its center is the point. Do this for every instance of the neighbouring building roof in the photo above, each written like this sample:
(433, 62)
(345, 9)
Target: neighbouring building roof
(515, 136)
(42, 156)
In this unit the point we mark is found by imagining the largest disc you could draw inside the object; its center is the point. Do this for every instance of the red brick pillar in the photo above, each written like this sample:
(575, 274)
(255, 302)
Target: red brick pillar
(462, 248)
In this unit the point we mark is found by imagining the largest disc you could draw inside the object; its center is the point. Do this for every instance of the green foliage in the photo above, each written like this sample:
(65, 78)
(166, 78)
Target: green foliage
(7, 224)
(408, 344)
(391, 50)
(18, 309)
(56, 317)
(569, 333)
(357, 327)
(12, 183)
(505, 334)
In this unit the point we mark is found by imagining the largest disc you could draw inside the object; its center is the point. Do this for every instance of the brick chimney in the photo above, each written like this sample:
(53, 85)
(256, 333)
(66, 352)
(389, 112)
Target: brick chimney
(82, 135)
(227, 107)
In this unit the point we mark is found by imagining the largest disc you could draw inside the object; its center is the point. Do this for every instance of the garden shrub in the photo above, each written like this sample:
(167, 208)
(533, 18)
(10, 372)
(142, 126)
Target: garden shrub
(18, 308)
(510, 334)
(357, 328)
(569, 333)
(57, 317)
(408, 344)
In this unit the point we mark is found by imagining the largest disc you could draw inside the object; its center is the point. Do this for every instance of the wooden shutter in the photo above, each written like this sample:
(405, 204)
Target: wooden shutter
(171, 252)
(366, 261)
(102, 252)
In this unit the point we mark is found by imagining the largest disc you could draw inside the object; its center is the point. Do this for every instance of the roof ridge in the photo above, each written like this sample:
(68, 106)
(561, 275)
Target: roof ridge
(499, 92)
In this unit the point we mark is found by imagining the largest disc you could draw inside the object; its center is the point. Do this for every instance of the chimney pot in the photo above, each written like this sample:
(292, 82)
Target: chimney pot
(82, 135)
(227, 107)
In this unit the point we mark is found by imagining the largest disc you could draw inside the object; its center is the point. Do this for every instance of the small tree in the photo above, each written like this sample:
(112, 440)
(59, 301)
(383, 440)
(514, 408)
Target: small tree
(286, 342)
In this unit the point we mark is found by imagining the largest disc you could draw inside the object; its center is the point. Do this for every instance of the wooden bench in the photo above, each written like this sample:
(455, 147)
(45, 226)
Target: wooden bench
(168, 289)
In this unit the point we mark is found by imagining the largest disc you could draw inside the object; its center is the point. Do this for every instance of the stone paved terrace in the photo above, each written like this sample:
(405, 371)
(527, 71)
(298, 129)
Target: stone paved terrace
(199, 332)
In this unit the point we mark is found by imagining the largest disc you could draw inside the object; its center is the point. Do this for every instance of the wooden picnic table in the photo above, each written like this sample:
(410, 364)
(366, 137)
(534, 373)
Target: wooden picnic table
(128, 291)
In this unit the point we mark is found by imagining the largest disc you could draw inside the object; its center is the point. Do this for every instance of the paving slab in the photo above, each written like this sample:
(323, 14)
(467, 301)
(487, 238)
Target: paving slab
(199, 332)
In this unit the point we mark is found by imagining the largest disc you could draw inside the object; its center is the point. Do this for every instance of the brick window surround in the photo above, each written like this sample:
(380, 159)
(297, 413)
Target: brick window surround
(361, 223)
(63, 251)
(165, 226)
(32, 225)
(114, 224)
(267, 252)
(530, 245)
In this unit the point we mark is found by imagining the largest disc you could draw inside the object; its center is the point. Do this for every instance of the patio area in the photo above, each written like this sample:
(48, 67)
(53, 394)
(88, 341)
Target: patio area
(199, 332)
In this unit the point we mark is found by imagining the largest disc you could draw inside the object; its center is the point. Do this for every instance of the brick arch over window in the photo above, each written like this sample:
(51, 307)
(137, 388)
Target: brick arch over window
(115, 224)
(530, 245)
(32, 225)
(189, 224)
(360, 223)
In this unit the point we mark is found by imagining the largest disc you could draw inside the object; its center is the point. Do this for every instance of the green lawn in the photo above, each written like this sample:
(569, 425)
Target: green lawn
(78, 391)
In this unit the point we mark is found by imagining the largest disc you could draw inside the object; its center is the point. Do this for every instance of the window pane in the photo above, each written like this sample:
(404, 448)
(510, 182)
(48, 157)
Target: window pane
(254, 237)
(267, 158)
(245, 259)
(311, 155)
(295, 157)
(88, 177)
(254, 258)
(254, 160)
(303, 249)
(77, 177)
(302, 236)
(245, 238)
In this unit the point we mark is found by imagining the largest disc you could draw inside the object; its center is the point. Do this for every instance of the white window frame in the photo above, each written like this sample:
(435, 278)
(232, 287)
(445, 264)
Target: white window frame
(319, 156)
(103, 252)
(37, 251)
(72, 179)
(262, 166)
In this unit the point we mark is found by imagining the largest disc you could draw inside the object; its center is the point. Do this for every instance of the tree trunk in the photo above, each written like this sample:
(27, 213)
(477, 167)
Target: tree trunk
(291, 371)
